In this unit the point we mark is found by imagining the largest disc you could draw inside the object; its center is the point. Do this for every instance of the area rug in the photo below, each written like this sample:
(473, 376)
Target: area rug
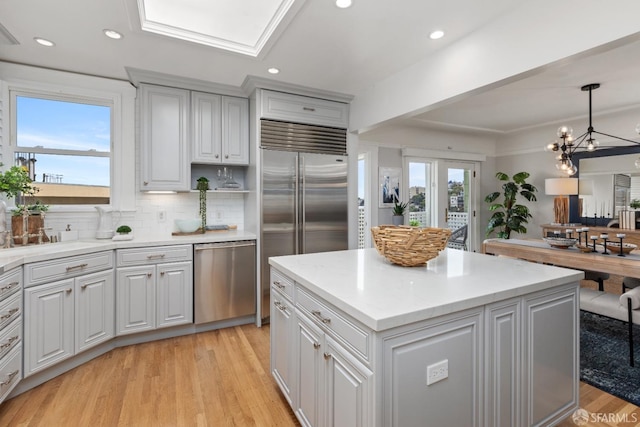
(604, 356)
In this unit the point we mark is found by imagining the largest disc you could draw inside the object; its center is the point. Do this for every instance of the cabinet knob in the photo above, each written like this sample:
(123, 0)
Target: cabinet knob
(226, 156)
(327, 356)
(217, 156)
(148, 274)
(83, 287)
(162, 273)
(316, 345)
(69, 290)
(145, 183)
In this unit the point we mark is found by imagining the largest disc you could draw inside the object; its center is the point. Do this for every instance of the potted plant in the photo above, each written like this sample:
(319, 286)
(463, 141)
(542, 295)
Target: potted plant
(123, 229)
(203, 186)
(16, 184)
(510, 216)
(414, 223)
(398, 212)
(634, 204)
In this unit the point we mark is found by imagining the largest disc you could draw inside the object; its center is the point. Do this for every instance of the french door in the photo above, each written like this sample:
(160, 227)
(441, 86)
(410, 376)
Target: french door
(456, 186)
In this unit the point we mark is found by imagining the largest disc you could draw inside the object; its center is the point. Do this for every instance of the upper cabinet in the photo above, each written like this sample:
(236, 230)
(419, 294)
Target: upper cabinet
(164, 128)
(220, 128)
(302, 109)
(179, 127)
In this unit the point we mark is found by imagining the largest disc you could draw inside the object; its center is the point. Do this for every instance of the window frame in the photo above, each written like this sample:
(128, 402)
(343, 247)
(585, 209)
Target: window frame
(120, 95)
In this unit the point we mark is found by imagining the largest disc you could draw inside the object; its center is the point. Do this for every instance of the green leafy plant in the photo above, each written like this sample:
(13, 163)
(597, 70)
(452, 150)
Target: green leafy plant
(15, 181)
(635, 204)
(414, 223)
(35, 208)
(399, 208)
(510, 216)
(123, 229)
(203, 186)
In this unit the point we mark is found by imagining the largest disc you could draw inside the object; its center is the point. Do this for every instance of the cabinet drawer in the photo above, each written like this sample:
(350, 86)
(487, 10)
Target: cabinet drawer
(343, 329)
(10, 337)
(10, 372)
(282, 283)
(153, 255)
(302, 109)
(10, 309)
(63, 268)
(10, 282)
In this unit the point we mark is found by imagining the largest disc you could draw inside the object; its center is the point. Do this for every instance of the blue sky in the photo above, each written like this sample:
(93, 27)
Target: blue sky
(69, 126)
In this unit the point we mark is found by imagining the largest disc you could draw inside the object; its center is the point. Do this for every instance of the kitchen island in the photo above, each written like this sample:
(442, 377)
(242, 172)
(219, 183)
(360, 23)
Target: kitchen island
(468, 339)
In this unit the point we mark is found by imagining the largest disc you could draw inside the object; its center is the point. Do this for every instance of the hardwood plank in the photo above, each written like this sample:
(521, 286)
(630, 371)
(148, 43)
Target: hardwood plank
(216, 378)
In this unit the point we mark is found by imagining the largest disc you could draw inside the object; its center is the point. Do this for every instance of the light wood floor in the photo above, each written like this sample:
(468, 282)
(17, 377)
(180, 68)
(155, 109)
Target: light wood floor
(218, 378)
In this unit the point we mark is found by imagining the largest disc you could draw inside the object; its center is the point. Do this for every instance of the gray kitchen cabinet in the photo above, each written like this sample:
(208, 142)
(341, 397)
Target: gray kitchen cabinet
(281, 342)
(302, 109)
(67, 317)
(164, 135)
(220, 129)
(154, 288)
(10, 331)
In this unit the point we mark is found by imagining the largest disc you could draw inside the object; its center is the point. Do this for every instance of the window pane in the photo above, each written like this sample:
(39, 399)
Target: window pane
(62, 125)
(66, 148)
(419, 173)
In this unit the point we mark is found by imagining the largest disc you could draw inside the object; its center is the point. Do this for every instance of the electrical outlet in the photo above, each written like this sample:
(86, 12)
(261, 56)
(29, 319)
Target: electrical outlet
(162, 216)
(437, 372)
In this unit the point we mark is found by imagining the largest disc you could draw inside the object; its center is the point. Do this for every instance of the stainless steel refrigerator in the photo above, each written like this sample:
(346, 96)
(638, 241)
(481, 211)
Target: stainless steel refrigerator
(304, 194)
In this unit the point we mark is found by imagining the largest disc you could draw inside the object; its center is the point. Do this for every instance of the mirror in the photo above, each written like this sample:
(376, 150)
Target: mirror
(612, 179)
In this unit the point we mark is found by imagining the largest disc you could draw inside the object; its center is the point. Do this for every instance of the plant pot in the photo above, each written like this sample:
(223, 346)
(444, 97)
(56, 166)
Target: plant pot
(35, 223)
(397, 219)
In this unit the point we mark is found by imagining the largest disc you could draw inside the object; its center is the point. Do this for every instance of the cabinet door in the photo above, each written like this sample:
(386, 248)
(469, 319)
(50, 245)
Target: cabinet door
(235, 130)
(164, 138)
(48, 325)
(347, 388)
(281, 337)
(206, 130)
(94, 305)
(135, 299)
(174, 289)
(308, 364)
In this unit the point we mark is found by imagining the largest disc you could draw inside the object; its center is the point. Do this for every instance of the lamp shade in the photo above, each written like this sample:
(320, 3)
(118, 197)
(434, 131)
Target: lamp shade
(561, 186)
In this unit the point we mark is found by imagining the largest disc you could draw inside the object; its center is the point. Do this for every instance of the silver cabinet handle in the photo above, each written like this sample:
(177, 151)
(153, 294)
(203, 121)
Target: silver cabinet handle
(9, 378)
(9, 286)
(278, 284)
(318, 314)
(8, 343)
(280, 306)
(316, 345)
(76, 267)
(9, 314)
(327, 356)
(308, 109)
(155, 256)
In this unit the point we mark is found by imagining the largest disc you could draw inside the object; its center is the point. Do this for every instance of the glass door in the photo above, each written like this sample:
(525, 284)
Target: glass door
(455, 196)
(420, 192)
(364, 201)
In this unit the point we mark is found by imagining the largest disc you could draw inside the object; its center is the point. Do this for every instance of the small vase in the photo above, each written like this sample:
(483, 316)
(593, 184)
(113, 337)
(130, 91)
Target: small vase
(397, 219)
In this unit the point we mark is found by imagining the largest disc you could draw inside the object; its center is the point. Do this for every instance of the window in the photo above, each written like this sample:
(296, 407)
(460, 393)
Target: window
(65, 143)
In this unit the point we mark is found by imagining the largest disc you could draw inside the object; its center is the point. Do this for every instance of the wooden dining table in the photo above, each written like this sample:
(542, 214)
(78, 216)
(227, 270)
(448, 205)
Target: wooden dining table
(537, 250)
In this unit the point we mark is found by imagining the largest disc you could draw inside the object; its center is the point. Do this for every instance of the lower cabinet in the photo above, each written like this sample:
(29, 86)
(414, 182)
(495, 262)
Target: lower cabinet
(10, 330)
(67, 317)
(512, 362)
(157, 294)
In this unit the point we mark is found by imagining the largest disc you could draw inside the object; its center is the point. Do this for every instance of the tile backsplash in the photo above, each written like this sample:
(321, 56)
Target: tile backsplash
(222, 208)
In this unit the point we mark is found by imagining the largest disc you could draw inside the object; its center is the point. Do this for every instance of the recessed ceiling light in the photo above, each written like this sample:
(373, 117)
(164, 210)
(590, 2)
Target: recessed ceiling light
(44, 42)
(435, 35)
(273, 70)
(112, 34)
(343, 4)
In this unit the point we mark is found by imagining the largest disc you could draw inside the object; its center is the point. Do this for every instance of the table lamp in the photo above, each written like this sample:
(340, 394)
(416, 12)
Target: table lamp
(562, 188)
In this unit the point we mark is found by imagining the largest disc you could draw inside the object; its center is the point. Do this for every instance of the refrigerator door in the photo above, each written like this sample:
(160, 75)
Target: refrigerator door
(279, 234)
(323, 203)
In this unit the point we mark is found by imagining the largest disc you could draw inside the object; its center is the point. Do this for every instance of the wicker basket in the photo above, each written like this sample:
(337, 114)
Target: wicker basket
(409, 246)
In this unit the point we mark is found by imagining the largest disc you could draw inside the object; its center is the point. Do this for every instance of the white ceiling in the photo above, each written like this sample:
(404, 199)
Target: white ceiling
(323, 47)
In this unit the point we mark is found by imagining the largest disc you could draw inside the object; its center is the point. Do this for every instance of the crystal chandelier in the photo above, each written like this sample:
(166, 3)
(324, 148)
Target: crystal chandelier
(567, 145)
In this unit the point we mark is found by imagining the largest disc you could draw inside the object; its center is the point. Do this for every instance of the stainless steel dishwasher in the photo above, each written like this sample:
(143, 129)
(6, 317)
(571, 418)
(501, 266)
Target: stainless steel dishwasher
(224, 280)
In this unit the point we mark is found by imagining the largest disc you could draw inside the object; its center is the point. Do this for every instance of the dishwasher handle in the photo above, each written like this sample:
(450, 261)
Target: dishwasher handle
(220, 245)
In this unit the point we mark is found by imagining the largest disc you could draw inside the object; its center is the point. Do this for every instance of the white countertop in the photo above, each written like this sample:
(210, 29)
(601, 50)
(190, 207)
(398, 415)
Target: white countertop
(382, 295)
(16, 256)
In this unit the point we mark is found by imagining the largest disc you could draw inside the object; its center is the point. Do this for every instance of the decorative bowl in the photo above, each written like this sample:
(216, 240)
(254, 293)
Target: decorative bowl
(188, 225)
(409, 246)
(560, 242)
(626, 247)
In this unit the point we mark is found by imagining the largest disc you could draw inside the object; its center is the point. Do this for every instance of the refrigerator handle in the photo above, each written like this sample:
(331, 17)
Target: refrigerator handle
(303, 221)
(296, 202)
